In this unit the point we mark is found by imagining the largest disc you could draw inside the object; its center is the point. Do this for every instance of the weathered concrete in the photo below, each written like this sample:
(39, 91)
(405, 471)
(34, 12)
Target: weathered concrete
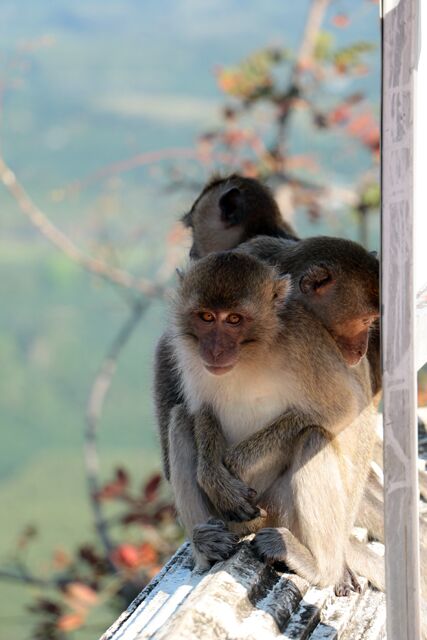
(244, 599)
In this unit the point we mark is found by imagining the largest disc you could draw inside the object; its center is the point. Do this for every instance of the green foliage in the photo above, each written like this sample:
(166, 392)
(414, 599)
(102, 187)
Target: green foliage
(323, 49)
(371, 196)
(351, 56)
(343, 58)
(253, 79)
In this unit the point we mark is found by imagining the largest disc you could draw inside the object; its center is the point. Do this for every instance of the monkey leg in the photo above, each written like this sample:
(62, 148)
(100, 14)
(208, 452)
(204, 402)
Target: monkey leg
(209, 541)
(310, 501)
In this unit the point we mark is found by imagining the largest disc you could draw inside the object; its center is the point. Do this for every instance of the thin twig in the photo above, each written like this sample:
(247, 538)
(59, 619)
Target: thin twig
(97, 396)
(56, 237)
(147, 158)
(315, 16)
(28, 578)
(312, 27)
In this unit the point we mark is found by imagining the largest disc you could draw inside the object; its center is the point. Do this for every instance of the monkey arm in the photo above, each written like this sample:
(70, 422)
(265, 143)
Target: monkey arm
(272, 447)
(167, 393)
(228, 494)
(210, 539)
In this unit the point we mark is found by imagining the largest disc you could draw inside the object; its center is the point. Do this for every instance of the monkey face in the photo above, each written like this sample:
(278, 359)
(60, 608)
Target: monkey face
(220, 334)
(352, 337)
(228, 307)
(346, 301)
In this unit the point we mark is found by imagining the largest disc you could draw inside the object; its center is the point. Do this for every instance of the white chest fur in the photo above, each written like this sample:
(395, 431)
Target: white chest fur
(243, 400)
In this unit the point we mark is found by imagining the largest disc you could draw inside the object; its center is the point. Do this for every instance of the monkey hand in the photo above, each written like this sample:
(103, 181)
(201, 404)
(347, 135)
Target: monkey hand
(231, 497)
(212, 542)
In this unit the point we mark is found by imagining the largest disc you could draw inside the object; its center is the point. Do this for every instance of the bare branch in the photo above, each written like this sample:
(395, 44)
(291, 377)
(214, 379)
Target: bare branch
(56, 237)
(150, 157)
(312, 27)
(27, 578)
(97, 396)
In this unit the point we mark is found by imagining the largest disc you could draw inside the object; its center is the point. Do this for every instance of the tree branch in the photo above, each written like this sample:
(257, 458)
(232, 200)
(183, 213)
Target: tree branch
(96, 401)
(56, 237)
(312, 27)
(27, 578)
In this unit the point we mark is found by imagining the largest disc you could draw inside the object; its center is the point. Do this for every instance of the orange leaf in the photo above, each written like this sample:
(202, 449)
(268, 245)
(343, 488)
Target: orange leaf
(70, 621)
(61, 559)
(126, 555)
(147, 553)
(82, 593)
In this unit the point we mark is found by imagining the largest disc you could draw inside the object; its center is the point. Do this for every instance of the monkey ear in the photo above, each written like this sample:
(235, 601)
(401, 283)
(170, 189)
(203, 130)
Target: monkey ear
(317, 280)
(282, 289)
(231, 204)
(180, 274)
(187, 219)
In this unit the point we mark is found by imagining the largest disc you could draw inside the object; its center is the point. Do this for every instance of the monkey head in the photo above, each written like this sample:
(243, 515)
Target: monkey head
(231, 210)
(341, 286)
(227, 308)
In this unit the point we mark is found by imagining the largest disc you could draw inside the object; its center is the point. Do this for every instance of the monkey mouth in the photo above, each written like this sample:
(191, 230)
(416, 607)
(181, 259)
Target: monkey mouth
(217, 370)
(353, 359)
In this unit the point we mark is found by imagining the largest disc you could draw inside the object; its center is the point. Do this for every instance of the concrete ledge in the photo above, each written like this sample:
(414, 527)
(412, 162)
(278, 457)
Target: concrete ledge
(242, 598)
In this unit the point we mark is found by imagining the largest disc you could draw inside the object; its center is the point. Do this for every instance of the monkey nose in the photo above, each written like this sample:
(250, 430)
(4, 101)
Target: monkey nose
(216, 353)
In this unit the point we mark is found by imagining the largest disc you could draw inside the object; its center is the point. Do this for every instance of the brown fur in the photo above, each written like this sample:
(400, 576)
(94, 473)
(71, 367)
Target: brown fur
(211, 231)
(230, 211)
(292, 490)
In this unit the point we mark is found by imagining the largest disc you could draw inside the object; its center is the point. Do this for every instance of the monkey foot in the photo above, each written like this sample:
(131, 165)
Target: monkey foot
(214, 541)
(269, 546)
(348, 583)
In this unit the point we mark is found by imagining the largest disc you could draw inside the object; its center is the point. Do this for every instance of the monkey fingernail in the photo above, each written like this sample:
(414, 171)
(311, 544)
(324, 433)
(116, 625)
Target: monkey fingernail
(262, 512)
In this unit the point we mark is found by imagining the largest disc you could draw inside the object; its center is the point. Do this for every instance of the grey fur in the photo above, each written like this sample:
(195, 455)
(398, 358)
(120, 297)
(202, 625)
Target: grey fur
(274, 446)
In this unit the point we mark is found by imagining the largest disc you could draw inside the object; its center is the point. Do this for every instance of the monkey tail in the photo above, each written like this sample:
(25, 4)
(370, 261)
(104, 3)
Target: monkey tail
(366, 562)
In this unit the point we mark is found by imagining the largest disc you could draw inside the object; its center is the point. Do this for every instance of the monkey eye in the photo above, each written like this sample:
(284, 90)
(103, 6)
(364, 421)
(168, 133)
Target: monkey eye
(233, 318)
(206, 316)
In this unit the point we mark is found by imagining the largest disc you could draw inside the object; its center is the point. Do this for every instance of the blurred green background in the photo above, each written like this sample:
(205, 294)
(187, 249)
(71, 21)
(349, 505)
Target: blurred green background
(86, 85)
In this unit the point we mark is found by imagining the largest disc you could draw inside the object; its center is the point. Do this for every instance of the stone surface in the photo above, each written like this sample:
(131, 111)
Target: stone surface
(242, 598)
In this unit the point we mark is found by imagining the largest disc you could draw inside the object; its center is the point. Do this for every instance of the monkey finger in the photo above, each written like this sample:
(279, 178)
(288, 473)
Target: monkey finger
(354, 580)
(342, 589)
(241, 513)
(252, 494)
(214, 541)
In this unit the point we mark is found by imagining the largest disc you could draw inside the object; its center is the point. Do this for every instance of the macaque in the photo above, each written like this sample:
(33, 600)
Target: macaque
(282, 424)
(230, 211)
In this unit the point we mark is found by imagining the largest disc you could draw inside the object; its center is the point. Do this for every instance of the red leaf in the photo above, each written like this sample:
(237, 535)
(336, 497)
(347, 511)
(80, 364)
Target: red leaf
(340, 114)
(136, 516)
(126, 555)
(151, 488)
(116, 488)
(340, 20)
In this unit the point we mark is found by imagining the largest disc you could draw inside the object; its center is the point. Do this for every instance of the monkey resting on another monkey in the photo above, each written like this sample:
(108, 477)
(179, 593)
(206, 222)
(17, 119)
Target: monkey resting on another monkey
(309, 444)
(235, 209)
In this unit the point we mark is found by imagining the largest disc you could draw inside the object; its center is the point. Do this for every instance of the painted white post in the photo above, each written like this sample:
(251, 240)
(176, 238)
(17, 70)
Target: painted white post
(400, 50)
